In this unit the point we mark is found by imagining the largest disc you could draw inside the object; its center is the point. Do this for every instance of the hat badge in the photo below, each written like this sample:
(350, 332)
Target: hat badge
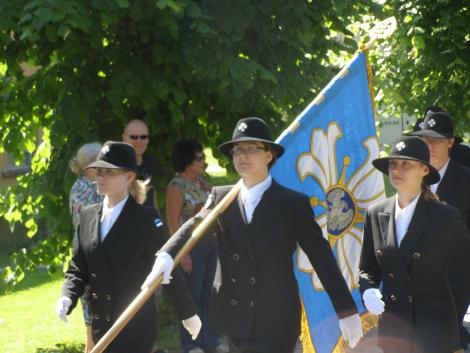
(431, 122)
(105, 149)
(400, 146)
(242, 127)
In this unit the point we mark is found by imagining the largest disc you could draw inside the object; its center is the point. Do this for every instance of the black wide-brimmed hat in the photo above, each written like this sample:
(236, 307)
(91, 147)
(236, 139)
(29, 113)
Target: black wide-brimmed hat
(436, 124)
(251, 129)
(116, 155)
(411, 148)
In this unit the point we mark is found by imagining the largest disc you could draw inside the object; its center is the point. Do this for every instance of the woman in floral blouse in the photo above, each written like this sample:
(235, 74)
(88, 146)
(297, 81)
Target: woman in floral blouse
(186, 194)
(84, 193)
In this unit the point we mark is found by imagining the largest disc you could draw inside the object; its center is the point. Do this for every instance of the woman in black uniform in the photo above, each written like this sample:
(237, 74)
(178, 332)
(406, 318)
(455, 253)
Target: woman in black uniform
(408, 239)
(115, 249)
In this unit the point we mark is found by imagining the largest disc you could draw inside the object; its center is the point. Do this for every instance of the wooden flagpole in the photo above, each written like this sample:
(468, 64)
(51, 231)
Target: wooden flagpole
(146, 293)
(381, 30)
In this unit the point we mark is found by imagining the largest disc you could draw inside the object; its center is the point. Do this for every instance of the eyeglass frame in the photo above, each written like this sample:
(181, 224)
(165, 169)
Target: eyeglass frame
(249, 150)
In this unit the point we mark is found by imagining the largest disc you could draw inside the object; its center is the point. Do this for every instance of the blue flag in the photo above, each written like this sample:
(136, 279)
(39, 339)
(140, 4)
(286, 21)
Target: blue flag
(329, 151)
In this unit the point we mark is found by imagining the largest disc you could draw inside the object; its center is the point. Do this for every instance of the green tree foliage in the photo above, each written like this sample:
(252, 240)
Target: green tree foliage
(188, 68)
(427, 60)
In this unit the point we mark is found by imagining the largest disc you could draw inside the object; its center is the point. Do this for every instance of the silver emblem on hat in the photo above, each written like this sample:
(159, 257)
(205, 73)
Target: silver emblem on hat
(431, 122)
(242, 127)
(400, 146)
(105, 149)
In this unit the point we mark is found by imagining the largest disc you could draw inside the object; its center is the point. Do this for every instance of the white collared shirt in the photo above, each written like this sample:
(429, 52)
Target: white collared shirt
(443, 170)
(252, 196)
(109, 216)
(403, 217)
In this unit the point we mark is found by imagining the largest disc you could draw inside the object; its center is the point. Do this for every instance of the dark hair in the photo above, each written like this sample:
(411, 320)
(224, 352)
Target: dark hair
(184, 153)
(273, 152)
(427, 193)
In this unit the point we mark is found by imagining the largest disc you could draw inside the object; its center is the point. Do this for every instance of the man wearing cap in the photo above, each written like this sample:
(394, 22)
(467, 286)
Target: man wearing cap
(257, 304)
(115, 247)
(454, 189)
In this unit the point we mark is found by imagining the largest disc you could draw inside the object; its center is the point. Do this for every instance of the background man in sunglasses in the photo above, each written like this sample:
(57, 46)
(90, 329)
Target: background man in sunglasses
(136, 133)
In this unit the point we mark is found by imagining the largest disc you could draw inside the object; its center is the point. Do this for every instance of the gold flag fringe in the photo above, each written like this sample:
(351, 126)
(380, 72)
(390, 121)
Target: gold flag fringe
(368, 321)
(363, 48)
(305, 338)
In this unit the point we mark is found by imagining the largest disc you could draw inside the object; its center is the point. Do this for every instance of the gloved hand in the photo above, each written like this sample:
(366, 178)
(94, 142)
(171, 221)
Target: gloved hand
(351, 329)
(62, 307)
(163, 264)
(373, 301)
(193, 326)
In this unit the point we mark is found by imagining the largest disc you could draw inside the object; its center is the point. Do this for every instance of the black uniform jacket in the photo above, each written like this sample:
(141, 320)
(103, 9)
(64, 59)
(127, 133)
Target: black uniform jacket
(454, 189)
(259, 295)
(116, 268)
(419, 309)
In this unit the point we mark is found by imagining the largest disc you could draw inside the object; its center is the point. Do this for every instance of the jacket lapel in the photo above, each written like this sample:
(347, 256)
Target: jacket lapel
(120, 226)
(448, 181)
(235, 220)
(267, 211)
(94, 228)
(387, 224)
(418, 224)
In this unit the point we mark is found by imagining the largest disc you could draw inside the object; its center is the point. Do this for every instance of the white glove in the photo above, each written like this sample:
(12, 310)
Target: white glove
(351, 329)
(163, 264)
(62, 307)
(373, 301)
(193, 326)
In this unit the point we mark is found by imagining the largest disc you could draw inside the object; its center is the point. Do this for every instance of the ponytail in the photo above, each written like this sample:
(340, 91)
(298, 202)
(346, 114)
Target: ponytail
(138, 190)
(427, 193)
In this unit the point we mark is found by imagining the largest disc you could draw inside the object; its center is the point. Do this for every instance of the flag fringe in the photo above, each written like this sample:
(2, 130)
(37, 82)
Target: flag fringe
(368, 320)
(363, 48)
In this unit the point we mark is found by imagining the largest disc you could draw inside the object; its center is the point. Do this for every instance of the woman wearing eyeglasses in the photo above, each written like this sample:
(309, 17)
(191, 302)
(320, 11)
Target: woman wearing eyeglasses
(257, 304)
(408, 241)
(186, 194)
(116, 243)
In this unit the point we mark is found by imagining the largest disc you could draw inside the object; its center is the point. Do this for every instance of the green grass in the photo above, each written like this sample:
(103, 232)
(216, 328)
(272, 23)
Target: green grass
(28, 323)
(28, 320)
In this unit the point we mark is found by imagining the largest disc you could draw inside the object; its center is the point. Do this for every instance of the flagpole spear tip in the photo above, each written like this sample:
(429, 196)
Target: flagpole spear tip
(381, 30)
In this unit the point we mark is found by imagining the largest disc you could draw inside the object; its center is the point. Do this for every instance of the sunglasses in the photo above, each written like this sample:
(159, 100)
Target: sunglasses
(138, 137)
(200, 158)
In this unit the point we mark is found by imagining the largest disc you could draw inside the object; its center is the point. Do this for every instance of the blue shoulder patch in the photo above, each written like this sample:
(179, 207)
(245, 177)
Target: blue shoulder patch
(158, 222)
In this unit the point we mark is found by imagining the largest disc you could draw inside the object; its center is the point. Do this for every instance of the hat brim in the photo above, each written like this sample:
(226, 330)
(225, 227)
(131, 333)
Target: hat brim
(227, 146)
(106, 165)
(382, 165)
(431, 133)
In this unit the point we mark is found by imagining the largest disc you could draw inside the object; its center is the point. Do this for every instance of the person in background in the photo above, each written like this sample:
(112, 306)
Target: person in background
(404, 264)
(84, 193)
(136, 133)
(454, 189)
(257, 303)
(459, 152)
(114, 250)
(186, 194)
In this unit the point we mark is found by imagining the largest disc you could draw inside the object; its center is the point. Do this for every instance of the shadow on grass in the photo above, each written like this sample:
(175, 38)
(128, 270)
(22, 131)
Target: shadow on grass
(32, 279)
(63, 348)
